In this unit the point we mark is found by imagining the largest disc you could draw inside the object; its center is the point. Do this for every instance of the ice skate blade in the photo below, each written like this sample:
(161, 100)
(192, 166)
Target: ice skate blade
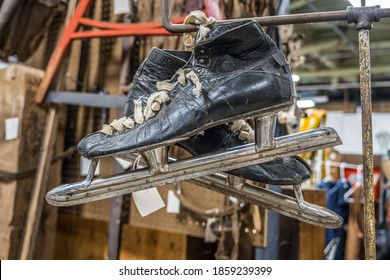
(280, 203)
(76, 193)
(157, 159)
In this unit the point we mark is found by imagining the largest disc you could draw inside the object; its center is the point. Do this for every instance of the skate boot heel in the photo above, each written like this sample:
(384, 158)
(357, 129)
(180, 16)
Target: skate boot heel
(157, 160)
(264, 132)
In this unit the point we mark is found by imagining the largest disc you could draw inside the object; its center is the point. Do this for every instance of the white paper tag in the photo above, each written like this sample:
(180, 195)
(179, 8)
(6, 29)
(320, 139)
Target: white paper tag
(84, 166)
(173, 203)
(233, 199)
(124, 163)
(121, 7)
(148, 201)
(209, 236)
(11, 128)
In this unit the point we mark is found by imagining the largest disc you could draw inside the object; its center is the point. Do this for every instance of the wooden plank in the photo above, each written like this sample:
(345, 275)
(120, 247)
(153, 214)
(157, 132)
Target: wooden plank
(80, 239)
(141, 243)
(312, 238)
(86, 239)
(299, 240)
(40, 185)
(18, 86)
(10, 241)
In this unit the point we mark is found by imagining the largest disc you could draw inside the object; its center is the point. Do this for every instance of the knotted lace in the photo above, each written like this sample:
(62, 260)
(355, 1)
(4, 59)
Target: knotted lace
(246, 131)
(155, 100)
(199, 18)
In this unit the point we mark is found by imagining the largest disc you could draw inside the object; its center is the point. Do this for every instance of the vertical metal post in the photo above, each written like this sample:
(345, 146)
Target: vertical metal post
(264, 132)
(364, 17)
(368, 166)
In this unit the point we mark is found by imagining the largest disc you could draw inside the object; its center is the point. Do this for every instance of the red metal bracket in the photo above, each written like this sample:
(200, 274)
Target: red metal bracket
(107, 29)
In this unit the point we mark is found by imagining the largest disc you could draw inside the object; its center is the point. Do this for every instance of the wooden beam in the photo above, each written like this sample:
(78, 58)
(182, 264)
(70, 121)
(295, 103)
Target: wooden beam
(39, 188)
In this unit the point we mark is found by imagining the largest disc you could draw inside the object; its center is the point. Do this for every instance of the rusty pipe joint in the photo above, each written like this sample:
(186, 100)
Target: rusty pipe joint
(173, 28)
(363, 17)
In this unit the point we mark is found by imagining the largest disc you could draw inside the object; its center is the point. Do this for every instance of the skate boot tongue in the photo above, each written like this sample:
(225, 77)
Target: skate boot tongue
(158, 66)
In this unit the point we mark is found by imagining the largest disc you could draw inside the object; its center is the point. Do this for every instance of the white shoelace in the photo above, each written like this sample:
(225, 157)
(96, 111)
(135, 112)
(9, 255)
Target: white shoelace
(246, 131)
(199, 18)
(155, 100)
(153, 104)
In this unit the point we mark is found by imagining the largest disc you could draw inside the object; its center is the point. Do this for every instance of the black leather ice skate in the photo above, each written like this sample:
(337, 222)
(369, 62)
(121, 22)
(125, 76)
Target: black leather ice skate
(162, 65)
(235, 71)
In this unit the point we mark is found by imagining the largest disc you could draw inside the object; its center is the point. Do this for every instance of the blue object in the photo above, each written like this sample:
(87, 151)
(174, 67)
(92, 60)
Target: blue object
(335, 201)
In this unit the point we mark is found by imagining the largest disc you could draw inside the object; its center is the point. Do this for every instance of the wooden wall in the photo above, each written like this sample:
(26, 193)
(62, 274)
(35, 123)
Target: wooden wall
(299, 240)
(19, 157)
(86, 239)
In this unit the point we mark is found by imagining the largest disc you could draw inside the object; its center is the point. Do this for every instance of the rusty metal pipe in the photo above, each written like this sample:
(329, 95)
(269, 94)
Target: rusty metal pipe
(269, 20)
(368, 166)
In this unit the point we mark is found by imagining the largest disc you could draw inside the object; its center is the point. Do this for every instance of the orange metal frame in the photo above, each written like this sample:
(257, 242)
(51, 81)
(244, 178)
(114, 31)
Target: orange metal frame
(107, 30)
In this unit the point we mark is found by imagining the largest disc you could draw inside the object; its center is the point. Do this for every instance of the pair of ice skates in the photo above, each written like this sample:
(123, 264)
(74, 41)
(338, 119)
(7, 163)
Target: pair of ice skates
(197, 100)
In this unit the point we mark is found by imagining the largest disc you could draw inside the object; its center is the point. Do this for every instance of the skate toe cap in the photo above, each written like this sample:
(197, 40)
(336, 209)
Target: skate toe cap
(91, 144)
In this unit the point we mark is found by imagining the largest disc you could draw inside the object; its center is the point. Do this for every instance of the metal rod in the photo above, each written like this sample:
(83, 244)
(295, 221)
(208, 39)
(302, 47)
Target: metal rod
(72, 194)
(157, 159)
(125, 26)
(85, 99)
(265, 21)
(368, 165)
(282, 204)
(299, 196)
(119, 33)
(264, 132)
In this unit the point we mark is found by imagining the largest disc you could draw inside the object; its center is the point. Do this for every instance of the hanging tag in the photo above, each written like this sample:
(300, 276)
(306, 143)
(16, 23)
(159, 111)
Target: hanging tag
(124, 163)
(233, 199)
(121, 7)
(173, 203)
(148, 201)
(11, 128)
(209, 236)
(256, 218)
(84, 166)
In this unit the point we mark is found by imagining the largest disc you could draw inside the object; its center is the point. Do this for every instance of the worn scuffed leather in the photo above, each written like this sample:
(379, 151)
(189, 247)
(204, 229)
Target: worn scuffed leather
(162, 65)
(242, 73)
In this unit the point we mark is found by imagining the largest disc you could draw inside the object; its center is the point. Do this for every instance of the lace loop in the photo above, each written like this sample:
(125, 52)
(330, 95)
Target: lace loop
(188, 74)
(198, 18)
(246, 131)
(138, 116)
(154, 102)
